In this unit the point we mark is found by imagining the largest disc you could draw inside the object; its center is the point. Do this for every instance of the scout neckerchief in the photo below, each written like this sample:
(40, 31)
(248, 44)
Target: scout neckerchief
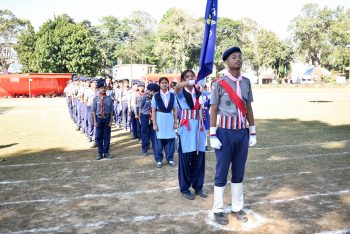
(192, 99)
(166, 106)
(150, 110)
(103, 95)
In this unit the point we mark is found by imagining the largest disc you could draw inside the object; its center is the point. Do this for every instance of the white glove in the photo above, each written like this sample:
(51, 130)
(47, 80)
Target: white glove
(202, 99)
(191, 82)
(214, 141)
(252, 135)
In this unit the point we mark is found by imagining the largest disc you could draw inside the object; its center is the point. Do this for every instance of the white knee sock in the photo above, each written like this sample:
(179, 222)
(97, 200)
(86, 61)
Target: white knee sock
(237, 196)
(218, 205)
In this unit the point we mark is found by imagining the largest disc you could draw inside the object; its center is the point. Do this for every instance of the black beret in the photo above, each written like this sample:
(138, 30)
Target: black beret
(153, 86)
(230, 51)
(100, 83)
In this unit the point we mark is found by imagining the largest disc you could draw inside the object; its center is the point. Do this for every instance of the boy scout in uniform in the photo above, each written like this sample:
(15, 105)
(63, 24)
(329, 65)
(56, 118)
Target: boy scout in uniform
(102, 113)
(231, 98)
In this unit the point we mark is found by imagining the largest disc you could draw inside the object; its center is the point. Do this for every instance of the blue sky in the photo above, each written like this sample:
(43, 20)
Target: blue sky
(273, 15)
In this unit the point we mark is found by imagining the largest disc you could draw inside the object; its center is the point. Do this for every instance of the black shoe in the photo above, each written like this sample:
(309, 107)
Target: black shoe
(240, 215)
(159, 164)
(145, 154)
(171, 163)
(99, 157)
(108, 156)
(188, 195)
(77, 129)
(90, 139)
(221, 218)
(201, 193)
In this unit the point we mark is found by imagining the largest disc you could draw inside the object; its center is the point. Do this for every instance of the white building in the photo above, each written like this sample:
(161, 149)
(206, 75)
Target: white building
(132, 71)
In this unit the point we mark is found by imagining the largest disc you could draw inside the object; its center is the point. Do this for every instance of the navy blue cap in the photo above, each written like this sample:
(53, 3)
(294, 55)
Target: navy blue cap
(100, 83)
(230, 51)
(141, 84)
(153, 86)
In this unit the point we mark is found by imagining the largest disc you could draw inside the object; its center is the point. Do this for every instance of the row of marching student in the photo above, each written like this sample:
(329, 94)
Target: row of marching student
(154, 113)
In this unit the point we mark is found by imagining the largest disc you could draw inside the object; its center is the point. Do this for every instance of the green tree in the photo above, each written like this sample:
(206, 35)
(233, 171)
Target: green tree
(139, 46)
(179, 38)
(321, 36)
(228, 34)
(10, 27)
(270, 52)
(25, 49)
(61, 45)
(112, 34)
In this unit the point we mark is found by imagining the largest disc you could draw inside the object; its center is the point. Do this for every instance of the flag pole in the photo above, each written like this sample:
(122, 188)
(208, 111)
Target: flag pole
(207, 54)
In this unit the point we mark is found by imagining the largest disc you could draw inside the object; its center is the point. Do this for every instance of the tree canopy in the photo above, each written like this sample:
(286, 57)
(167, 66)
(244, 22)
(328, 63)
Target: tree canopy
(319, 36)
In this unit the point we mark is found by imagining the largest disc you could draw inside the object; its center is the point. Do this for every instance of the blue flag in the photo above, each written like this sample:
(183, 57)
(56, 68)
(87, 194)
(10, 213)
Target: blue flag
(208, 47)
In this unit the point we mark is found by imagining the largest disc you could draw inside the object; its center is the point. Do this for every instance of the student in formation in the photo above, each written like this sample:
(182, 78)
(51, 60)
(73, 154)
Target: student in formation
(165, 122)
(231, 97)
(116, 101)
(192, 137)
(102, 112)
(140, 94)
(89, 96)
(132, 109)
(147, 132)
(124, 102)
(119, 111)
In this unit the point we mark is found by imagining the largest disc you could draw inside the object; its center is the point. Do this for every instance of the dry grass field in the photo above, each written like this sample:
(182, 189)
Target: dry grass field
(297, 178)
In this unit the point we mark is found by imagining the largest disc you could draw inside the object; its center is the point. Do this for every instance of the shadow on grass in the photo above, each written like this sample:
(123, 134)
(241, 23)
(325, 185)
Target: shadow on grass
(270, 133)
(4, 109)
(274, 132)
(6, 146)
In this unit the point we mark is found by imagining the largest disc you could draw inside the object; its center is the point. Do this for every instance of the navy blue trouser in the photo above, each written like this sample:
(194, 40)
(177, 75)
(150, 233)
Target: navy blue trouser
(138, 126)
(83, 116)
(78, 113)
(191, 170)
(133, 122)
(169, 148)
(116, 112)
(90, 122)
(234, 151)
(147, 133)
(70, 106)
(125, 116)
(75, 113)
(103, 135)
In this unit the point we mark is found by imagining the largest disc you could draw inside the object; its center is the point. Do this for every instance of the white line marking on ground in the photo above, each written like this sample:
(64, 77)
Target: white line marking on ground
(134, 219)
(191, 214)
(343, 231)
(301, 145)
(305, 197)
(303, 156)
(8, 182)
(92, 196)
(95, 161)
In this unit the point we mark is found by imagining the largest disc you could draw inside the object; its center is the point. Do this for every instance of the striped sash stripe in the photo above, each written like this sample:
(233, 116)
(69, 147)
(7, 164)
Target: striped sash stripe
(232, 122)
(190, 114)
